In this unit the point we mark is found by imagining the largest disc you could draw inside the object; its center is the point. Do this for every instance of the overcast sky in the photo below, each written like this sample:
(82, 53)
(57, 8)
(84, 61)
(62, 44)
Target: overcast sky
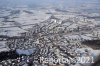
(45, 2)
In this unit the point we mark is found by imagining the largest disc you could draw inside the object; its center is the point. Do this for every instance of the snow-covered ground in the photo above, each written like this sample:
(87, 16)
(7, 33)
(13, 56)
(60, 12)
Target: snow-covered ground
(3, 46)
(19, 22)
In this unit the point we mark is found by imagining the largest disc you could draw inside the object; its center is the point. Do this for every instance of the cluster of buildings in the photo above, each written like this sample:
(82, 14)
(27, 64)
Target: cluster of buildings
(54, 38)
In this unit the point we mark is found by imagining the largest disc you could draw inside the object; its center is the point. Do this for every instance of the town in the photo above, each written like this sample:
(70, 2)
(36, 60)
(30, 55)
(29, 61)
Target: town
(28, 34)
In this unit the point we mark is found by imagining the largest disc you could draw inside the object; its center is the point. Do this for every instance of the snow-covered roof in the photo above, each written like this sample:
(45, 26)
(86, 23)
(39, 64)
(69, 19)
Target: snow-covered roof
(25, 52)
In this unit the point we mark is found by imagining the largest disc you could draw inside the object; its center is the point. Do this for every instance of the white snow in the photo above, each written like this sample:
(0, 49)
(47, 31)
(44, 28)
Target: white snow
(3, 46)
(26, 52)
(86, 37)
(25, 65)
(91, 52)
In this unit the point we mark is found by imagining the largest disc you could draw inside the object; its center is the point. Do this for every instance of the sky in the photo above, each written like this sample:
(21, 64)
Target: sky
(45, 2)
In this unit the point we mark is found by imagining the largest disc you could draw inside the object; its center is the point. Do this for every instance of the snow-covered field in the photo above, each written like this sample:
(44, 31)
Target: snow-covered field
(18, 22)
